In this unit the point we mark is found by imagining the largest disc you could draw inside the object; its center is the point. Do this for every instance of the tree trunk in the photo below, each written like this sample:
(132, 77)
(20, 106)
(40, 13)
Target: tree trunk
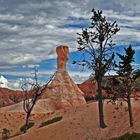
(130, 111)
(100, 105)
(27, 122)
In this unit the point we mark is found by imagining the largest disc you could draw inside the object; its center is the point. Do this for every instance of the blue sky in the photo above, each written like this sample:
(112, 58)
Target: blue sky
(31, 30)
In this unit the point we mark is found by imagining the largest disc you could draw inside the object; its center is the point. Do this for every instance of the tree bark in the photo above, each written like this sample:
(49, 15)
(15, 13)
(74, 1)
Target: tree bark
(27, 122)
(130, 111)
(100, 105)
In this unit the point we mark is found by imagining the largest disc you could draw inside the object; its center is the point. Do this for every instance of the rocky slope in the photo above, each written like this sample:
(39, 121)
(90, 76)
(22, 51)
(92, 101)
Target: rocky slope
(80, 123)
(9, 97)
(90, 87)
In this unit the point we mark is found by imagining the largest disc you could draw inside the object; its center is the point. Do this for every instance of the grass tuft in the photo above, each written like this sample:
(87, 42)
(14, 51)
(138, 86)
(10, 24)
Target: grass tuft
(128, 136)
(30, 124)
(56, 119)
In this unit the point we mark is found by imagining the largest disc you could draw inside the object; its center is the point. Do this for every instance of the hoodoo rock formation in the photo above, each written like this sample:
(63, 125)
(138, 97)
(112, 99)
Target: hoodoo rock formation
(62, 91)
(62, 57)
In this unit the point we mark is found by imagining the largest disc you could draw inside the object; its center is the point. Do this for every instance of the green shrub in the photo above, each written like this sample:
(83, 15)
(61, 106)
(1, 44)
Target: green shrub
(30, 124)
(5, 134)
(56, 119)
(128, 136)
(89, 98)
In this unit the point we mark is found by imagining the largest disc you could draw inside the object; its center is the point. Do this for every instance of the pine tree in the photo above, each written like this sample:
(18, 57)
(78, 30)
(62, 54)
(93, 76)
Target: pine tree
(127, 76)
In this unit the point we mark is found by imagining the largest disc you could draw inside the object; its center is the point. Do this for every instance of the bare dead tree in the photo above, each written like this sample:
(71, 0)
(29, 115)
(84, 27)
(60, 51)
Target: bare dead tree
(32, 95)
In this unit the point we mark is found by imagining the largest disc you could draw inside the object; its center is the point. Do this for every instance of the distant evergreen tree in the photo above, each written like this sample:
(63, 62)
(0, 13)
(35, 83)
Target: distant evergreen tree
(127, 77)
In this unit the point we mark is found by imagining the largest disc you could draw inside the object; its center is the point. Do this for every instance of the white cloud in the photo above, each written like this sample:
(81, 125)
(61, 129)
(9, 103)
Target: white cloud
(137, 48)
(79, 77)
(31, 30)
(28, 73)
(136, 65)
(31, 66)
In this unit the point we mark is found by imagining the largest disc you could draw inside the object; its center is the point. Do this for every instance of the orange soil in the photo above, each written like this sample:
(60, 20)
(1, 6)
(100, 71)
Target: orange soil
(79, 123)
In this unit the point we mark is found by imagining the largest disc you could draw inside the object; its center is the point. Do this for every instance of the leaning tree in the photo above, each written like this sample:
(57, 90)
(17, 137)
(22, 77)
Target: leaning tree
(32, 92)
(97, 45)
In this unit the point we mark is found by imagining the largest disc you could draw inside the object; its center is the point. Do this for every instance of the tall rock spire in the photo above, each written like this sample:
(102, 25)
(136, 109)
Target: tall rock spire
(63, 92)
(62, 57)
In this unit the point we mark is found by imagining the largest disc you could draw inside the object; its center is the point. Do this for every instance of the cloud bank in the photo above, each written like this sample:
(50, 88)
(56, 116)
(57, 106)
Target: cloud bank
(31, 30)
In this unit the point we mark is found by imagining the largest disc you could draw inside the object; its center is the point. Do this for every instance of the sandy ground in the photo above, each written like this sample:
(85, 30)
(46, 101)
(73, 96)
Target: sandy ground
(79, 123)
